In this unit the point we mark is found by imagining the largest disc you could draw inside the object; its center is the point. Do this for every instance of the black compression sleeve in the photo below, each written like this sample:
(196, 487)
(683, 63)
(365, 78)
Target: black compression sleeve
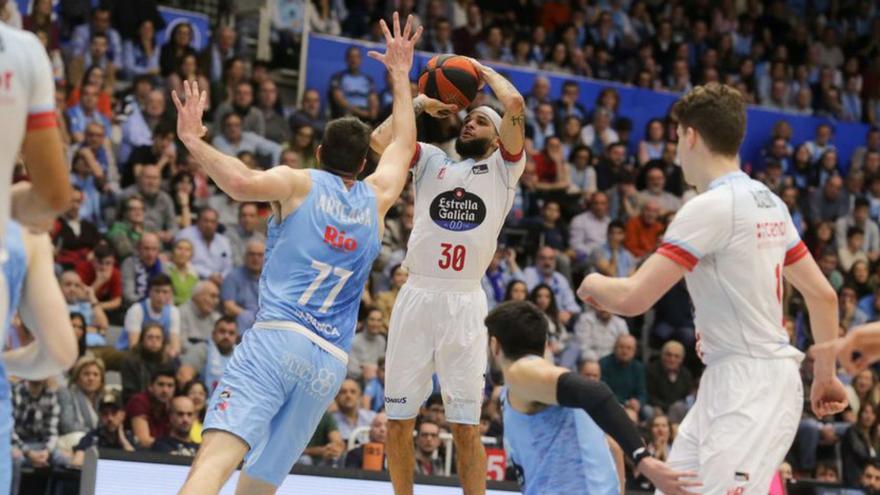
(594, 397)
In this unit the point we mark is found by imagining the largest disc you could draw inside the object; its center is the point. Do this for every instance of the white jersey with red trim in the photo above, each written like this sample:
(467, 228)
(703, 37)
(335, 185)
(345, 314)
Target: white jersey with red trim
(735, 239)
(460, 208)
(27, 101)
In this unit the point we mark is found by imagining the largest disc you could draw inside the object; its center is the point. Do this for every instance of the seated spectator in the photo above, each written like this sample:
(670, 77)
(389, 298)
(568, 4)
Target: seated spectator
(551, 167)
(147, 411)
(84, 178)
(242, 104)
(655, 190)
(246, 230)
(147, 114)
(821, 143)
(303, 144)
(611, 258)
(597, 331)
(625, 375)
(198, 315)
(211, 357)
(673, 318)
(669, 383)
(872, 144)
(599, 134)
(156, 307)
(141, 54)
(147, 357)
(161, 152)
(35, 414)
(74, 236)
(183, 276)
(870, 480)
(590, 369)
(651, 148)
(612, 167)
(545, 272)
(240, 290)
(502, 269)
(559, 339)
(349, 414)
(368, 346)
(852, 251)
(428, 461)
(326, 445)
(198, 394)
(581, 172)
(212, 254)
(79, 401)
(86, 112)
(178, 45)
(826, 472)
(177, 441)
(159, 216)
(547, 229)
(385, 299)
(859, 445)
(232, 140)
(860, 217)
(125, 234)
(623, 199)
(309, 113)
(830, 202)
(540, 128)
(643, 232)
(81, 299)
(100, 23)
(105, 279)
(219, 52)
(110, 432)
(863, 388)
(569, 104)
(374, 390)
(138, 270)
(98, 72)
(352, 92)
(371, 456)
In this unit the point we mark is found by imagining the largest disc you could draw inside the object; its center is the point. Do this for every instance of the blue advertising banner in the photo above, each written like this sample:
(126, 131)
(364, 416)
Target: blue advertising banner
(200, 23)
(326, 56)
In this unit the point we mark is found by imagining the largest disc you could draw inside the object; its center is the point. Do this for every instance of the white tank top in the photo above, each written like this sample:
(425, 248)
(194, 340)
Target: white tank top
(460, 208)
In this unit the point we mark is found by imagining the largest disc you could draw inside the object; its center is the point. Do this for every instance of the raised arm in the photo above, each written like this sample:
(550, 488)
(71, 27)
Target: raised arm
(390, 176)
(229, 173)
(513, 126)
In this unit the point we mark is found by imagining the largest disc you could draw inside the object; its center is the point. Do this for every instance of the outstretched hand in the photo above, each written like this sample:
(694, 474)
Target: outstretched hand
(399, 47)
(189, 113)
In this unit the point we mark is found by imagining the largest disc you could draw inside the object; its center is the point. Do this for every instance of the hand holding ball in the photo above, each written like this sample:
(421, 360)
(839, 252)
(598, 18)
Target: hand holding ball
(451, 79)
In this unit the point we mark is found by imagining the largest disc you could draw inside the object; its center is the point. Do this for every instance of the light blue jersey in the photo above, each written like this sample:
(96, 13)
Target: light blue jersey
(318, 260)
(559, 450)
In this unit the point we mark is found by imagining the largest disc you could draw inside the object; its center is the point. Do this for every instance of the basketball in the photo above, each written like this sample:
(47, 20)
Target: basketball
(450, 79)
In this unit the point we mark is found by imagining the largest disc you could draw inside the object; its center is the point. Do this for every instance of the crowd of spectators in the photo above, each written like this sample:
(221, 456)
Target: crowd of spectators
(160, 268)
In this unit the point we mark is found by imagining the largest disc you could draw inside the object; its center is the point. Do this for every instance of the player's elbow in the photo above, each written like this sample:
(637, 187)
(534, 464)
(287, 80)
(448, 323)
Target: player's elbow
(514, 103)
(59, 200)
(238, 188)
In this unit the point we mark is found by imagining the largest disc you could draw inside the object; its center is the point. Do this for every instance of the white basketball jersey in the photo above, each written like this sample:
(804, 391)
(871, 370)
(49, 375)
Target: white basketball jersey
(460, 209)
(27, 102)
(736, 238)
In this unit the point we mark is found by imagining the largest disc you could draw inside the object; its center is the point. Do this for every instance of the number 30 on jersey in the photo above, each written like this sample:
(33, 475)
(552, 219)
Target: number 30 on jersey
(452, 256)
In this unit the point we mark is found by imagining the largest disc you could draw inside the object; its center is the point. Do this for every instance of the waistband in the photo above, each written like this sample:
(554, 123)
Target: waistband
(718, 359)
(305, 332)
(436, 284)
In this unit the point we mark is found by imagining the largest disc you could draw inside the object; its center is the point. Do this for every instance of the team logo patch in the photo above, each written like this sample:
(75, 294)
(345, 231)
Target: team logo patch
(482, 168)
(458, 210)
(442, 173)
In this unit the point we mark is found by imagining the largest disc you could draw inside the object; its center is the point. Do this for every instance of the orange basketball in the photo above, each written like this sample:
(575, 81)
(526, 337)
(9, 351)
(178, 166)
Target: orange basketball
(450, 79)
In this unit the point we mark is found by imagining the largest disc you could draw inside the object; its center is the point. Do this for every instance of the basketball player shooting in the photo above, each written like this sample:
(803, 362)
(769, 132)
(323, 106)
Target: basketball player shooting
(437, 320)
(290, 365)
(733, 243)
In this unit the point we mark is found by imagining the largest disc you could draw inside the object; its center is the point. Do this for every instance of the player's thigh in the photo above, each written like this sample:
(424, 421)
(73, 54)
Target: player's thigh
(462, 356)
(409, 357)
(252, 388)
(294, 424)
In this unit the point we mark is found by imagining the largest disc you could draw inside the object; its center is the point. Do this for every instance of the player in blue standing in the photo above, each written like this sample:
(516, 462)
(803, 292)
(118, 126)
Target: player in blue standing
(34, 292)
(553, 416)
(323, 237)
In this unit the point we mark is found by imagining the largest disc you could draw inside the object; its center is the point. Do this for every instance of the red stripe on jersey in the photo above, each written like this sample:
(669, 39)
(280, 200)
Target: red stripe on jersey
(794, 254)
(678, 255)
(416, 156)
(42, 120)
(509, 157)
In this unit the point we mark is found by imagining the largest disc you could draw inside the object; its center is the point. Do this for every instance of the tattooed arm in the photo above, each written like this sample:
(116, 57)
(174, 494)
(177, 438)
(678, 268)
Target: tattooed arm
(381, 137)
(512, 133)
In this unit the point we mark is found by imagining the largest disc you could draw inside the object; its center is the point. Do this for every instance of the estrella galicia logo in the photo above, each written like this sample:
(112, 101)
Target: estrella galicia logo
(458, 210)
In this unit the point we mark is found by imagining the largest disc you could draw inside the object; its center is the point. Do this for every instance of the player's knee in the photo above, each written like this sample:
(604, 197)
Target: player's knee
(465, 435)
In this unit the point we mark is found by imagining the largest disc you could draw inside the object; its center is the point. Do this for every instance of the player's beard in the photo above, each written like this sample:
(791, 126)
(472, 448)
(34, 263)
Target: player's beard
(475, 148)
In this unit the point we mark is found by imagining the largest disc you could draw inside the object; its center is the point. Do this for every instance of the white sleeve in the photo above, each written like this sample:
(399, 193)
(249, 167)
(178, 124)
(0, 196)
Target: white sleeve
(175, 321)
(702, 226)
(424, 153)
(40, 87)
(134, 319)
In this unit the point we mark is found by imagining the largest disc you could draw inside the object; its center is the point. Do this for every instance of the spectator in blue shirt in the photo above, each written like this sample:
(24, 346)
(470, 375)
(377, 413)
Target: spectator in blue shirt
(141, 55)
(502, 270)
(100, 23)
(233, 140)
(353, 92)
(212, 254)
(544, 272)
(84, 112)
(240, 290)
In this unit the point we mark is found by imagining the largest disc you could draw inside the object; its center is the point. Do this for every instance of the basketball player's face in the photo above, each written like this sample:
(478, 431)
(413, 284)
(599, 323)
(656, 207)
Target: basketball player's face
(476, 136)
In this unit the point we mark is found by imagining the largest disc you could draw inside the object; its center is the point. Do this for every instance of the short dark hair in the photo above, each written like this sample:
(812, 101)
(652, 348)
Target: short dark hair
(345, 145)
(159, 280)
(167, 371)
(852, 231)
(718, 113)
(519, 327)
(616, 224)
(861, 203)
(103, 250)
(226, 319)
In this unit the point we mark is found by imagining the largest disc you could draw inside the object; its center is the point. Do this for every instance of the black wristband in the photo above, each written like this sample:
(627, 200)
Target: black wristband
(594, 397)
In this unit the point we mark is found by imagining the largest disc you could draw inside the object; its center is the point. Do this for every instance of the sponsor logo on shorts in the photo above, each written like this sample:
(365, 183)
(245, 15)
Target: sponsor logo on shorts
(740, 476)
(395, 400)
(318, 382)
(458, 210)
(223, 402)
(337, 239)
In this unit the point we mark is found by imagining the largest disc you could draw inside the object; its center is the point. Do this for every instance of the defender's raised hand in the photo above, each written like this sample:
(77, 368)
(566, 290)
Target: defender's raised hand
(189, 113)
(399, 47)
